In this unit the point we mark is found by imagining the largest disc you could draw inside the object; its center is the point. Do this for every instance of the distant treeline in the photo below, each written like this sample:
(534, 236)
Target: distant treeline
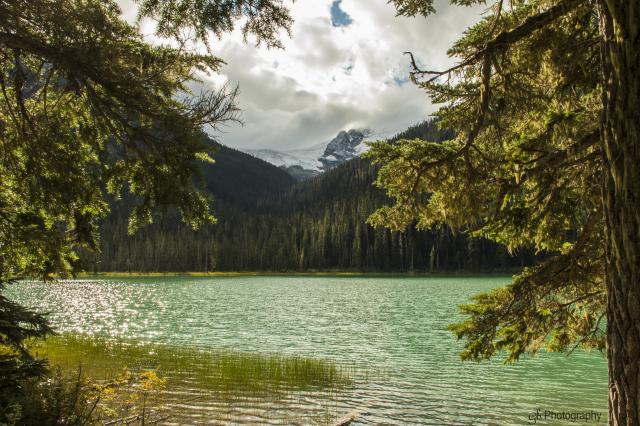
(266, 222)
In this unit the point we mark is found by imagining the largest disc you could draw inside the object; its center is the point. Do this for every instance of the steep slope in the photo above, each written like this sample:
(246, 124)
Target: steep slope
(241, 179)
(237, 182)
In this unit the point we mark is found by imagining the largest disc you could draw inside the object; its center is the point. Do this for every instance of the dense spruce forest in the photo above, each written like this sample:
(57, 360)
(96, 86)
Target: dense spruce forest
(269, 222)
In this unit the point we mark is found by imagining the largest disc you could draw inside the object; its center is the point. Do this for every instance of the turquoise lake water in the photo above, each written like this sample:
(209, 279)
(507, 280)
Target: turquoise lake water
(395, 326)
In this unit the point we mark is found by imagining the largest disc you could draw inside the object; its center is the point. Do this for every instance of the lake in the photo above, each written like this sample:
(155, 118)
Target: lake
(393, 327)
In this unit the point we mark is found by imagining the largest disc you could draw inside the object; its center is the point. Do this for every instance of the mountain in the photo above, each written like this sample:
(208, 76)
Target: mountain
(307, 163)
(269, 222)
(300, 163)
(237, 183)
(344, 147)
(240, 179)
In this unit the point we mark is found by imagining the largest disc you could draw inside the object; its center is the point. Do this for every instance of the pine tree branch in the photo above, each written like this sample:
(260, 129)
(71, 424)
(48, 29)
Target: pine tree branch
(487, 55)
(503, 40)
(557, 158)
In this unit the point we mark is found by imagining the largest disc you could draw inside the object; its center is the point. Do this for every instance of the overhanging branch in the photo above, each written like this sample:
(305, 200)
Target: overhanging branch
(502, 40)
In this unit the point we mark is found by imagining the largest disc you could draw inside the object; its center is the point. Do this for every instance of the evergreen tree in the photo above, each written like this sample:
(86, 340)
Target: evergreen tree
(545, 102)
(89, 108)
(17, 325)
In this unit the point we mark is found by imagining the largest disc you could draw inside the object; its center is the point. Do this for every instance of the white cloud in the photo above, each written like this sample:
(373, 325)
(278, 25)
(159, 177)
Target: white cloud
(332, 78)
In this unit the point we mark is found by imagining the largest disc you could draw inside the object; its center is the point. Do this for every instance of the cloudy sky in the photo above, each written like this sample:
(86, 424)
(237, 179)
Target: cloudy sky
(342, 68)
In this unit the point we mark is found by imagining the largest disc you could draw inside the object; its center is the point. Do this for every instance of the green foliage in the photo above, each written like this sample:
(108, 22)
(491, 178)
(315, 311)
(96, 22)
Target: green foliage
(88, 109)
(17, 366)
(263, 19)
(523, 170)
(413, 7)
(65, 400)
(69, 397)
(556, 305)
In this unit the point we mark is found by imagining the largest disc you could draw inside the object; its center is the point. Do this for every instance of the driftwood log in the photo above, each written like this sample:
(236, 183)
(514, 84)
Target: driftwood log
(347, 419)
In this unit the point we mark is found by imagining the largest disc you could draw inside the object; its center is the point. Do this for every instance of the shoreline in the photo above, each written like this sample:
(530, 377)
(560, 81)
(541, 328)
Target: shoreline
(295, 274)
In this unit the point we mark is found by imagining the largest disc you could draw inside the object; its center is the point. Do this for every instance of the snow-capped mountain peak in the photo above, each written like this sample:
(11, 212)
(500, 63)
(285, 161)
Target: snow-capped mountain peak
(343, 147)
(306, 158)
(305, 163)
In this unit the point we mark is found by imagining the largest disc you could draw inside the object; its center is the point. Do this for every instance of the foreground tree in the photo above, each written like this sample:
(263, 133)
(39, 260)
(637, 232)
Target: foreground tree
(90, 108)
(545, 100)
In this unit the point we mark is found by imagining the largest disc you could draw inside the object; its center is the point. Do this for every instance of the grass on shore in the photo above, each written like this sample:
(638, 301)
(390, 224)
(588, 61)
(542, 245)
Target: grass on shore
(225, 371)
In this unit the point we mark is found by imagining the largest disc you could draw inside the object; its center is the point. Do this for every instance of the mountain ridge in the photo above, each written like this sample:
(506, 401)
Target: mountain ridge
(306, 163)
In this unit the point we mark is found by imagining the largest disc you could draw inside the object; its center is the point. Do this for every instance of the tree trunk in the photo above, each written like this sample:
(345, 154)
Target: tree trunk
(620, 27)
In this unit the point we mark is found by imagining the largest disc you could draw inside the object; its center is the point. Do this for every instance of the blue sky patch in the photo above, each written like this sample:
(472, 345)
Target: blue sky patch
(401, 81)
(338, 16)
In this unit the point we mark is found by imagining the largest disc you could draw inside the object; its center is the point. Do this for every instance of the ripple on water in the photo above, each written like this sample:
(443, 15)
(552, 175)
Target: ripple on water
(393, 326)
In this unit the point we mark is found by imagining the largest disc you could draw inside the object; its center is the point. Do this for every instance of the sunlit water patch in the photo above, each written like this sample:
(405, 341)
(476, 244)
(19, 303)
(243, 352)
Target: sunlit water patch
(397, 326)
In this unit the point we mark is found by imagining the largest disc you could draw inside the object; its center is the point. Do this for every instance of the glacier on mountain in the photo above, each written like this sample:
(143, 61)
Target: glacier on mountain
(305, 163)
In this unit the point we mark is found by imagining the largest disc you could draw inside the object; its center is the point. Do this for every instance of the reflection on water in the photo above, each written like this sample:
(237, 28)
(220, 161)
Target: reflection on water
(396, 325)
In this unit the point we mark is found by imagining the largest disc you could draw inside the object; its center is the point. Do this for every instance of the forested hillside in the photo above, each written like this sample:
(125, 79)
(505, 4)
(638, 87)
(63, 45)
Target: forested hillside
(266, 222)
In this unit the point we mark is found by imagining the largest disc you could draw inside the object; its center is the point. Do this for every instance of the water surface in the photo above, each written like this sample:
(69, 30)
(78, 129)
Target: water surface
(396, 326)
